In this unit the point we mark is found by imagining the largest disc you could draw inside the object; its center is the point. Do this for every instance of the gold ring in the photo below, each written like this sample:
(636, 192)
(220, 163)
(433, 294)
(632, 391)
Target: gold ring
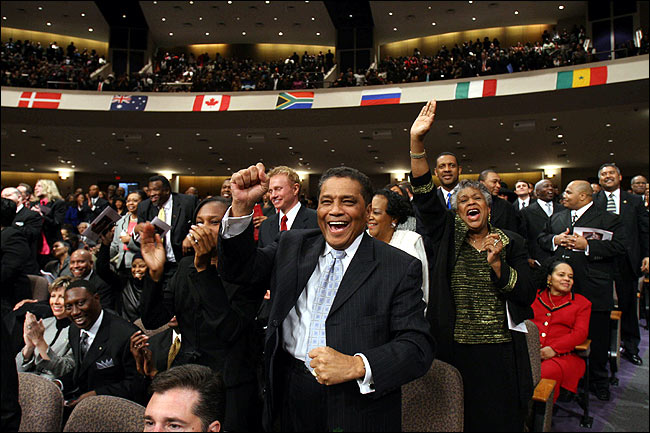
(29, 326)
(314, 373)
(196, 241)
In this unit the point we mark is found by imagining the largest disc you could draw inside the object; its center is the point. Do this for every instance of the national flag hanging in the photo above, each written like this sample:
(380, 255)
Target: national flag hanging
(39, 100)
(211, 103)
(582, 78)
(476, 89)
(294, 100)
(380, 97)
(128, 103)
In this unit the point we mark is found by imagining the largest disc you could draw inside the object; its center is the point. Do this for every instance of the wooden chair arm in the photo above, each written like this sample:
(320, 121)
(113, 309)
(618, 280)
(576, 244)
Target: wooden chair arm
(585, 345)
(544, 390)
(615, 315)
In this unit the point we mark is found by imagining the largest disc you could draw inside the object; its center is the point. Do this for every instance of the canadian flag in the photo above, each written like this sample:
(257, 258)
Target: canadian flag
(211, 103)
(39, 100)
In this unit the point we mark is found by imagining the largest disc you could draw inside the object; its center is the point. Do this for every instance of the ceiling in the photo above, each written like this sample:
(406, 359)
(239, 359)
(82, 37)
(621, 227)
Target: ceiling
(484, 133)
(299, 21)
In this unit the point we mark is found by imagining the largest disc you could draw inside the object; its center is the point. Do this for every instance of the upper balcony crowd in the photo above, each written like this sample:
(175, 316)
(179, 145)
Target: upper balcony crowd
(25, 64)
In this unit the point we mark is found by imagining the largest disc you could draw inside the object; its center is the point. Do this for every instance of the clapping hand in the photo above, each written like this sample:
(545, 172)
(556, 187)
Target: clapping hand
(153, 251)
(248, 186)
(205, 245)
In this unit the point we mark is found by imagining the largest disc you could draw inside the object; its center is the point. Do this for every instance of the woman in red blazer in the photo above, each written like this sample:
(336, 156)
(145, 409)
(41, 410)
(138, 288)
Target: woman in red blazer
(562, 318)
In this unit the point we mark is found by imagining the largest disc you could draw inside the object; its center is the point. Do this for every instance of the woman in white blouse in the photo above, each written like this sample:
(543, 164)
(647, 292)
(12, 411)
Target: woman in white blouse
(47, 351)
(389, 209)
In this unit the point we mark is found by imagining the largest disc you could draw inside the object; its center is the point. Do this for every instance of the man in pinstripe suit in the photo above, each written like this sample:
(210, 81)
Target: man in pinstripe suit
(375, 335)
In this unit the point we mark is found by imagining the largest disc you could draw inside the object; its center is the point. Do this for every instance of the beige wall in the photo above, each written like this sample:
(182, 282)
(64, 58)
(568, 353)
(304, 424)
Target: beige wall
(429, 45)
(509, 178)
(207, 185)
(47, 38)
(265, 52)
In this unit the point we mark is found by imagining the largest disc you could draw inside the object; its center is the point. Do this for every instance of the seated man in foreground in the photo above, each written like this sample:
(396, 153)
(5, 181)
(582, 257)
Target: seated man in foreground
(347, 327)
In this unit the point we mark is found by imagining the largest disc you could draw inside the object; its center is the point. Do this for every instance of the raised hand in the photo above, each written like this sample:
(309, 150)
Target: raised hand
(153, 251)
(423, 122)
(248, 186)
(205, 245)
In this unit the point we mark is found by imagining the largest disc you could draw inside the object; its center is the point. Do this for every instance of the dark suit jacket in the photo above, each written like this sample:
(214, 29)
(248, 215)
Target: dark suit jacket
(634, 217)
(305, 219)
(593, 274)
(107, 295)
(502, 215)
(442, 196)
(183, 206)
(31, 224)
(378, 311)
(108, 368)
(15, 267)
(532, 221)
(436, 224)
(100, 205)
(52, 221)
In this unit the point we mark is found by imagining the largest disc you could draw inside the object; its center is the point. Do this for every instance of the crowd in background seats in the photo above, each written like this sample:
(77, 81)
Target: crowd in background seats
(27, 64)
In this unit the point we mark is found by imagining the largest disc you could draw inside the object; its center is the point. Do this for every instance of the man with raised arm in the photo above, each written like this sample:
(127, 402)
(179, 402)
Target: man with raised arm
(346, 328)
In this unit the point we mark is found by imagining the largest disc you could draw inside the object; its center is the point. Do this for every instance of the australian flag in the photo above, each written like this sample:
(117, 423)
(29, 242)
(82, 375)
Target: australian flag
(128, 103)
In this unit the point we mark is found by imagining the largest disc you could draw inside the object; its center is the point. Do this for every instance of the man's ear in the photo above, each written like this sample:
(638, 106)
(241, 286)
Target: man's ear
(214, 426)
(460, 169)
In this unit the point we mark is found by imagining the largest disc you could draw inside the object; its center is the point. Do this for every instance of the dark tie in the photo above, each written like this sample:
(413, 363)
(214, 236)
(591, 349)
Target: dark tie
(574, 218)
(611, 204)
(448, 200)
(283, 224)
(83, 344)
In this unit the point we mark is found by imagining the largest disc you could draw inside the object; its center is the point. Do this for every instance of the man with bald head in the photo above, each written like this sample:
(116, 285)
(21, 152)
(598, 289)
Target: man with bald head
(639, 184)
(81, 266)
(95, 202)
(29, 223)
(594, 266)
(533, 219)
(502, 214)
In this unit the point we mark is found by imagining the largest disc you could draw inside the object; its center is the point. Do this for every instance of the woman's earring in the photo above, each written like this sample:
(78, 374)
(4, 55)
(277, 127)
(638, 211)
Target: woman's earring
(394, 225)
(548, 284)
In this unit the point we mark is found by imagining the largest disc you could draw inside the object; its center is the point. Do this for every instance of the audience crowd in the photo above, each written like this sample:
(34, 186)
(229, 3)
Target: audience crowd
(30, 65)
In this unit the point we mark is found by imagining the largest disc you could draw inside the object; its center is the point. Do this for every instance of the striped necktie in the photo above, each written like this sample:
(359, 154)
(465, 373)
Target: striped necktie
(611, 204)
(448, 200)
(574, 217)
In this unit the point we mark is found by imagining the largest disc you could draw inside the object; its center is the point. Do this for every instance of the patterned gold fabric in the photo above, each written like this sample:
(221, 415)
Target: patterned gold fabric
(106, 413)
(480, 311)
(41, 402)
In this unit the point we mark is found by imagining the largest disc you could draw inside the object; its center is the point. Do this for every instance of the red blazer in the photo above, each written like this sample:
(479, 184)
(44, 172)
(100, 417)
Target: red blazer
(564, 326)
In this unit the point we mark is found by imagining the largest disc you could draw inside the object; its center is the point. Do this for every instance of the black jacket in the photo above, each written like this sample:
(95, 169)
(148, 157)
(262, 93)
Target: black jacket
(532, 221)
(305, 219)
(31, 224)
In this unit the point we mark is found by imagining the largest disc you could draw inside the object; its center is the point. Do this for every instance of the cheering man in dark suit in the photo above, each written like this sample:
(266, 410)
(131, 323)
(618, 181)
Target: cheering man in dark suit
(533, 219)
(347, 324)
(100, 347)
(176, 210)
(95, 202)
(447, 171)
(594, 264)
(28, 222)
(284, 186)
(634, 217)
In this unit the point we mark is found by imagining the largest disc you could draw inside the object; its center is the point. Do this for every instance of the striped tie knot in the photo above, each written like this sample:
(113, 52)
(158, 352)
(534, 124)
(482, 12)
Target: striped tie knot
(611, 204)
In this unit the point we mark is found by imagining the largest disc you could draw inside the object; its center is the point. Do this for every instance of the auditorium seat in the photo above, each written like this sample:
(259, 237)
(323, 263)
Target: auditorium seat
(541, 406)
(614, 345)
(434, 402)
(583, 350)
(41, 402)
(105, 413)
(39, 287)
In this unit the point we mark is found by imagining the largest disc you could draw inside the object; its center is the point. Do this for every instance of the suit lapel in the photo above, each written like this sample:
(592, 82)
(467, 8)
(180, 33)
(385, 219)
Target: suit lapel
(176, 210)
(587, 217)
(536, 208)
(310, 251)
(361, 266)
(624, 203)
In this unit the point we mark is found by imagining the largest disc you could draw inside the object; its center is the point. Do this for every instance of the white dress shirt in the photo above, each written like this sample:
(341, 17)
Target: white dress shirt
(617, 199)
(295, 327)
(92, 332)
(547, 206)
(524, 203)
(575, 216)
(291, 216)
(168, 206)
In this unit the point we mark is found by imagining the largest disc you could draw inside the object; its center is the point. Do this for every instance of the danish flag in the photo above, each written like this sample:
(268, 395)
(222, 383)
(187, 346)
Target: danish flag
(39, 100)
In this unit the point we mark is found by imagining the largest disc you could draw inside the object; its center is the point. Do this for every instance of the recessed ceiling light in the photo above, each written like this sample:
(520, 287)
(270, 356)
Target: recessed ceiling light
(237, 18)
(429, 7)
(207, 33)
(554, 119)
(376, 157)
(13, 155)
(48, 23)
(507, 138)
(325, 140)
(394, 29)
(471, 2)
(163, 19)
(90, 29)
(608, 125)
(280, 33)
(610, 141)
(390, 13)
(267, 2)
(512, 153)
(300, 159)
(360, 132)
(560, 7)
(78, 140)
(170, 148)
(191, 3)
(516, 163)
(157, 134)
(516, 12)
(290, 147)
(473, 18)
(155, 3)
(611, 153)
(220, 159)
(83, 14)
(229, 2)
(317, 33)
(171, 33)
(332, 150)
(123, 15)
(500, 123)
(200, 18)
(40, 8)
(433, 24)
(451, 126)
(209, 147)
(243, 33)
(105, 163)
(560, 136)
(73, 166)
(275, 18)
(350, 15)
(23, 130)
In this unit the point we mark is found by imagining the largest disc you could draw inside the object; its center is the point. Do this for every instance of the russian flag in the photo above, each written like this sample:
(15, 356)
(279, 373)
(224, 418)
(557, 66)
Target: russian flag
(381, 97)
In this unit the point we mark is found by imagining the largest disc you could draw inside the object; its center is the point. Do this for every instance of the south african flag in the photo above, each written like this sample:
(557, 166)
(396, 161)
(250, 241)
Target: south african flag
(293, 100)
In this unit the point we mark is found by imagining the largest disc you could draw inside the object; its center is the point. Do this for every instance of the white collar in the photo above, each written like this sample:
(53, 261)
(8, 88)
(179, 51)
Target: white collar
(578, 213)
(19, 207)
(616, 192)
(176, 334)
(92, 332)
(349, 251)
(292, 212)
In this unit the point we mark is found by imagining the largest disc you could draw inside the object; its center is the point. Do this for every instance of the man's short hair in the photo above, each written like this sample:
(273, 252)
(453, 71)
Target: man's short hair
(445, 154)
(608, 164)
(288, 171)
(8, 212)
(484, 173)
(351, 173)
(28, 188)
(163, 179)
(86, 284)
(521, 180)
(210, 405)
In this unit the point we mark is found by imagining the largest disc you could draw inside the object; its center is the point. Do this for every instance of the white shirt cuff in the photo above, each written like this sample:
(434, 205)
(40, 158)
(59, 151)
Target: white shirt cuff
(367, 385)
(553, 243)
(233, 226)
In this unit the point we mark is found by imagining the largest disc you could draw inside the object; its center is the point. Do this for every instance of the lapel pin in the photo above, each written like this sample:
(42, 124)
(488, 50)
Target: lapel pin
(624, 201)
(100, 347)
